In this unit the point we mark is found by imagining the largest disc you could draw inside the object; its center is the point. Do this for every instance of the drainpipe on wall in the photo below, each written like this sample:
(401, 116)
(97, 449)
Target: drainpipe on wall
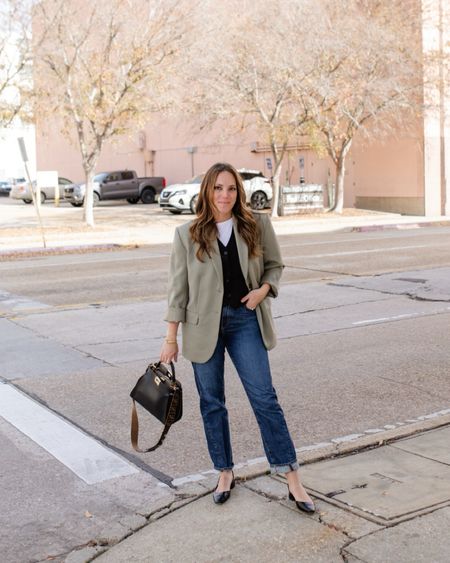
(444, 26)
(432, 109)
(192, 151)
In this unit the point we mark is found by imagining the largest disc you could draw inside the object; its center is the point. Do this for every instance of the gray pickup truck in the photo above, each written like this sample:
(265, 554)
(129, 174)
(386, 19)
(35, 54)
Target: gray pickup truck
(120, 184)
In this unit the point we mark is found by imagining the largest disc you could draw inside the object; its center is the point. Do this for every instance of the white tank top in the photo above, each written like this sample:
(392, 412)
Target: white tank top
(225, 228)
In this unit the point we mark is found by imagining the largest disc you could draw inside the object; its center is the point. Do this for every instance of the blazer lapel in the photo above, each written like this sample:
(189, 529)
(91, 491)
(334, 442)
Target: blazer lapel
(217, 260)
(242, 250)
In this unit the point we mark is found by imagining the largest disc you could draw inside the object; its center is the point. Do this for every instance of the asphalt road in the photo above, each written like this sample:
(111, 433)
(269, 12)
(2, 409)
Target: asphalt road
(363, 325)
(123, 276)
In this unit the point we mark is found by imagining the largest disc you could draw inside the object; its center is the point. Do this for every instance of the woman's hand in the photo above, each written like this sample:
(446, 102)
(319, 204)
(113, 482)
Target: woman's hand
(254, 297)
(169, 352)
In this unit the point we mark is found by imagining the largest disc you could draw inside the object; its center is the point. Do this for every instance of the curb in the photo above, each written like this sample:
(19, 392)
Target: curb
(398, 226)
(372, 441)
(56, 250)
(319, 452)
(337, 447)
(191, 491)
(335, 227)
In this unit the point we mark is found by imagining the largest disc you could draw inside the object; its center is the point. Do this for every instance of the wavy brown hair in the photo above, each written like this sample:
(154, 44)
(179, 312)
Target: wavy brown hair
(203, 229)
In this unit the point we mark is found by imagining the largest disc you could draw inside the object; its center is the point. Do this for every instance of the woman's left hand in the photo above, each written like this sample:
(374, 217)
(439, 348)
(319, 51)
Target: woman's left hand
(255, 296)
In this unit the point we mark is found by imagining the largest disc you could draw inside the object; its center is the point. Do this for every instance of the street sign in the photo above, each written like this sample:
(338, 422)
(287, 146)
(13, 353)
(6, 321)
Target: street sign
(23, 149)
(302, 198)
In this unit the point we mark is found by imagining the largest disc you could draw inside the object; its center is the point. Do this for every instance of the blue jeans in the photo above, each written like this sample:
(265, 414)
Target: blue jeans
(240, 334)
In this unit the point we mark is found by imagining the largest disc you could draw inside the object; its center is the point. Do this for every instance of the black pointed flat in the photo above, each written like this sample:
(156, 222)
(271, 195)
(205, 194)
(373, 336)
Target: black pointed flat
(307, 507)
(223, 496)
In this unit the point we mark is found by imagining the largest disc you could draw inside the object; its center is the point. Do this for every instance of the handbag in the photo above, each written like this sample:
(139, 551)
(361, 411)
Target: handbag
(158, 392)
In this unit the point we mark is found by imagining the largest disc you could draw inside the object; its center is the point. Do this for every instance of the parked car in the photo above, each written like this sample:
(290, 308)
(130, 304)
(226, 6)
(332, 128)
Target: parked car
(21, 190)
(119, 184)
(177, 198)
(181, 197)
(5, 187)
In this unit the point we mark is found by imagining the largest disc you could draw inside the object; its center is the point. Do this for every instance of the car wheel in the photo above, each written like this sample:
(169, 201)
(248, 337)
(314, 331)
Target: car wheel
(132, 199)
(43, 198)
(148, 196)
(193, 204)
(96, 198)
(175, 211)
(76, 204)
(258, 200)
(27, 200)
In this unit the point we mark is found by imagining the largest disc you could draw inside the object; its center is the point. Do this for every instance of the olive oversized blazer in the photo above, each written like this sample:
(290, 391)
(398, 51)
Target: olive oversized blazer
(196, 289)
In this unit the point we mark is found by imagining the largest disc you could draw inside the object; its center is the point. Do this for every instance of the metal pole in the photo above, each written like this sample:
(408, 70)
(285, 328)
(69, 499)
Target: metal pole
(23, 152)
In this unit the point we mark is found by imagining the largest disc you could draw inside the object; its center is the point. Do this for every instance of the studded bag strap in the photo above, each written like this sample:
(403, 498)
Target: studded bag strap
(171, 415)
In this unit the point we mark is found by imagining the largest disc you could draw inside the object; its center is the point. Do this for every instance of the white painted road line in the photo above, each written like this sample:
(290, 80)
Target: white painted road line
(394, 318)
(88, 459)
(404, 316)
(397, 317)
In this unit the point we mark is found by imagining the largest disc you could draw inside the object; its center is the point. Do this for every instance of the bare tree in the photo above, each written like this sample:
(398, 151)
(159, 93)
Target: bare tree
(15, 58)
(245, 77)
(368, 78)
(105, 66)
(329, 69)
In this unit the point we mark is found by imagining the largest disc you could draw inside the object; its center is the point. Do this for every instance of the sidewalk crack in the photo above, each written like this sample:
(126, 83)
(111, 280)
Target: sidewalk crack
(330, 308)
(325, 271)
(334, 527)
(419, 388)
(410, 295)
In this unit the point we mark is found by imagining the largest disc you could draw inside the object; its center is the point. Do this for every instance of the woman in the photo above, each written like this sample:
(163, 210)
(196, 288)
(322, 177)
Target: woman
(223, 266)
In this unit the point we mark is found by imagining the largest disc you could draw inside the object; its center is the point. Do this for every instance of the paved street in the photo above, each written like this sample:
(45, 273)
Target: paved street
(362, 320)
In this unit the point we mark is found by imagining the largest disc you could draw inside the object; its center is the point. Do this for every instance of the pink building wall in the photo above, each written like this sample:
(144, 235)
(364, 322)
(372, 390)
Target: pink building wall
(389, 176)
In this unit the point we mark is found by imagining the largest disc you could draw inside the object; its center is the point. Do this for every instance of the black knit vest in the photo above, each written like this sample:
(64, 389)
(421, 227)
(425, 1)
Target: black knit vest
(233, 280)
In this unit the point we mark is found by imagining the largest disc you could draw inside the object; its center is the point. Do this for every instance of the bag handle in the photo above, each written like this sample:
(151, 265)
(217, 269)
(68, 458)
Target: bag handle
(170, 374)
(169, 421)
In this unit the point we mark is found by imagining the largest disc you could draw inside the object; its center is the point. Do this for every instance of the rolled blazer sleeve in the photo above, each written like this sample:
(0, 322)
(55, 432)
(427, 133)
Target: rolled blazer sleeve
(272, 260)
(178, 289)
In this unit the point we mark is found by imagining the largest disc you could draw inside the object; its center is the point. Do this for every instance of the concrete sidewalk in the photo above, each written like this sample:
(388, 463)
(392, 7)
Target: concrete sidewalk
(127, 225)
(381, 505)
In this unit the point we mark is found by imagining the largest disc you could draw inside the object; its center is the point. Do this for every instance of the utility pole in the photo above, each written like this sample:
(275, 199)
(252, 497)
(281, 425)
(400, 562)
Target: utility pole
(24, 154)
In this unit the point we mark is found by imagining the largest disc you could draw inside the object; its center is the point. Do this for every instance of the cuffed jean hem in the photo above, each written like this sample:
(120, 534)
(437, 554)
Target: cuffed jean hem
(223, 468)
(286, 468)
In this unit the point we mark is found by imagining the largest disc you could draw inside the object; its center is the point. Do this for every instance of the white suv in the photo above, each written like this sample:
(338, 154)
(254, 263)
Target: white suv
(183, 197)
